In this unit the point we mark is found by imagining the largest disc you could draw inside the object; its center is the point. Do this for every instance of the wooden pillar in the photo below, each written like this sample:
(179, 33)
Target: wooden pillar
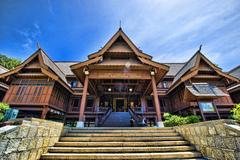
(80, 123)
(44, 112)
(156, 102)
(96, 103)
(144, 103)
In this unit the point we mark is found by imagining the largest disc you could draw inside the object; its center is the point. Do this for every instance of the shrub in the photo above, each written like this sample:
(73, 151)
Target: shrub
(3, 108)
(236, 112)
(174, 120)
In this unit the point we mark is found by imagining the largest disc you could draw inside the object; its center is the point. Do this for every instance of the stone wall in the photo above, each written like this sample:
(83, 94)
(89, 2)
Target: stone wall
(219, 139)
(29, 139)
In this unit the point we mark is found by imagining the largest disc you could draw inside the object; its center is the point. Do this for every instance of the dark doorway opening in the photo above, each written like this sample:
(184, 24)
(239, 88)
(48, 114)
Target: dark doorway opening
(120, 105)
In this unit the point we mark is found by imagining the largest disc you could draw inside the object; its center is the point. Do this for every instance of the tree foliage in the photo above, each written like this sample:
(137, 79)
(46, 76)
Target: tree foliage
(8, 62)
(174, 120)
(3, 108)
(236, 112)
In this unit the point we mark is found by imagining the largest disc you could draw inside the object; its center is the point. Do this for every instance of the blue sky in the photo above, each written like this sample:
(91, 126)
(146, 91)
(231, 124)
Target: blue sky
(170, 31)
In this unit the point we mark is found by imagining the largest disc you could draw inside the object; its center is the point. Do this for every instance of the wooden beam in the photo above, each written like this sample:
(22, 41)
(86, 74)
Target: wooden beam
(44, 112)
(122, 93)
(119, 84)
(207, 76)
(30, 75)
(113, 74)
(85, 63)
(93, 87)
(148, 87)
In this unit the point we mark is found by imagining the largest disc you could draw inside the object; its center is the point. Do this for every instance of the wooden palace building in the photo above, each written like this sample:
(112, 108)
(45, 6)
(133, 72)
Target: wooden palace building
(118, 78)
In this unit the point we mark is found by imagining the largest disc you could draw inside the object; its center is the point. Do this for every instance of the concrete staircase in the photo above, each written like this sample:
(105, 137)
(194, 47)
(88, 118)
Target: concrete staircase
(118, 119)
(121, 143)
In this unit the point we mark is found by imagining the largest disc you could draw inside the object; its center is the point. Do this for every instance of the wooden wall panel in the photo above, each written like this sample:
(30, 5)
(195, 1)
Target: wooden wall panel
(176, 100)
(59, 97)
(33, 92)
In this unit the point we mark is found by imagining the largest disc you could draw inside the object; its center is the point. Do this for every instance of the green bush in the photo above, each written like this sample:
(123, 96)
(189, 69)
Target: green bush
(174, 120)
(3, 108)
(236, 112)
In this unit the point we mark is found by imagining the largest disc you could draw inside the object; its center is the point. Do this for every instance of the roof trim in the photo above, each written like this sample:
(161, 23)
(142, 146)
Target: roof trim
(39, 53)
(113, 39)
(192, 71)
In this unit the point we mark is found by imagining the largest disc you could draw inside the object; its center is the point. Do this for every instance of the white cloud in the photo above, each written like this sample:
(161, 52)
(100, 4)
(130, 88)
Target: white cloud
(30, 37)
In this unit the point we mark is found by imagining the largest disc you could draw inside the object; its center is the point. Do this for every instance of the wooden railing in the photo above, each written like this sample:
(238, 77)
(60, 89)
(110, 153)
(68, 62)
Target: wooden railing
(100, 120)
(134, 116)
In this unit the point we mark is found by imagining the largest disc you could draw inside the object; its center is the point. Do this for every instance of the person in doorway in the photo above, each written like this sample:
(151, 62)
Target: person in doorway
(144, 121)
(132, 122)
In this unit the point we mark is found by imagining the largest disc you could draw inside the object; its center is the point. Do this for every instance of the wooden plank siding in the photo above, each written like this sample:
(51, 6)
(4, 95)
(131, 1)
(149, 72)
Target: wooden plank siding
(59, 97)
(177, 100)
(34, 92)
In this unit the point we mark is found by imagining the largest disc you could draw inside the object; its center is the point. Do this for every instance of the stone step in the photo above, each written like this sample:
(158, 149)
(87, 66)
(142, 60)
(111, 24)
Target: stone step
(121, 131)
(118, 149)
(120, 144)
(120, 134)
(166, 155)
(119, 139)
(121, 128)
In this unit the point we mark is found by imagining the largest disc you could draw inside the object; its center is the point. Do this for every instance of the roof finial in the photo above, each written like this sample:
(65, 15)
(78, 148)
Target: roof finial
(120, 24)
(38, 46)
(200, 47)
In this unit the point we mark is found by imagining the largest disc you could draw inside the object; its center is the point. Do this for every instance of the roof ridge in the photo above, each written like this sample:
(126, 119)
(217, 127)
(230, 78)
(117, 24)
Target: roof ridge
(174, 62)
(51, 60)
(66, 61)
(195, 54)
(233, 69)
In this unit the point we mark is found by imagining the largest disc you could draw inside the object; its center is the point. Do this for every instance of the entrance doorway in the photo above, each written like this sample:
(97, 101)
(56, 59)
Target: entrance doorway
(119, 104)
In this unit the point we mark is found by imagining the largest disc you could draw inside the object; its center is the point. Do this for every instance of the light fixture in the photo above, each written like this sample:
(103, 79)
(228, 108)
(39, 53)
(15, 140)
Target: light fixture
(130, 89)
(86, 71)
(109, 89)
(152, 72)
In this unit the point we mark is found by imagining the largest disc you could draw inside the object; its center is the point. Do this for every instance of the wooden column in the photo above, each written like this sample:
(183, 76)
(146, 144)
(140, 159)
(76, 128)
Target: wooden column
(156, 102)
(44, 112)
(83, 99)
(96, 103)
(144, 103)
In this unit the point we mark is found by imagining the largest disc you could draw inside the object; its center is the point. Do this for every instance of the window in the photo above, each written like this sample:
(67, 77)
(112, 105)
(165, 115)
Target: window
(74, 84)
(75, 102)
(21, 90)
(164, 84)
(75, 105)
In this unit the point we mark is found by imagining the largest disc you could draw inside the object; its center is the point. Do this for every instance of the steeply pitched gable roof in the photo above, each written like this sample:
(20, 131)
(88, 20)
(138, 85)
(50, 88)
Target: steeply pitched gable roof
(162, 69)
(193, 62)
(174, 68)
(187, 66)
(65, 67)
(118, 34)
(235, 72)
(192, 67)
(47, 61)
(46, 64)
